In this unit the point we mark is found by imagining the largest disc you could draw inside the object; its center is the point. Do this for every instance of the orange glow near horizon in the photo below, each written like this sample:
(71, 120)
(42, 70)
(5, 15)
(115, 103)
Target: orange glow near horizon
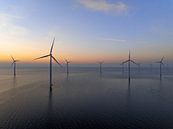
(26, 52)
(75, 58)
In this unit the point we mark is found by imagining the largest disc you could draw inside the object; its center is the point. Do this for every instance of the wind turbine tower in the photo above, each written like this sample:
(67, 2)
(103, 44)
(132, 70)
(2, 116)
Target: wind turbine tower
(161, 64)
(129, 61)
(14, 65)
(51, 57)
(67, 65)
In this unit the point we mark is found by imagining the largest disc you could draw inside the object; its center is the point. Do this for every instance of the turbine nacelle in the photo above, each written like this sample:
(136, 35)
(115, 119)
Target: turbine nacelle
(129, 60)
(101, 62)
(161, 61)
(50, 55)
(67, 61)
(14, 61)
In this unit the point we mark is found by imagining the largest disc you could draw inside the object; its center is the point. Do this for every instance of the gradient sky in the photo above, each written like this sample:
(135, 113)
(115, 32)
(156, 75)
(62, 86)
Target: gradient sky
(87, 31)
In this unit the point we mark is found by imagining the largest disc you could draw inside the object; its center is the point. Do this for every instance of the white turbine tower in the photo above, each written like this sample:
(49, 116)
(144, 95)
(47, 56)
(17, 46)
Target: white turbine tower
(51, 57)
(100, 67)
(129, 61)
(161, 63)
(67, 65)
(14, 65)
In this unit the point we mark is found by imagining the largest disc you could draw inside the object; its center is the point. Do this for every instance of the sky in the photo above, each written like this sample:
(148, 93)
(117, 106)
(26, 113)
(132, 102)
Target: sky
(86, 31)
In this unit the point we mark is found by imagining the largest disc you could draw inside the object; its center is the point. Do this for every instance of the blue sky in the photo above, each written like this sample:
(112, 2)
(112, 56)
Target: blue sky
(87, 30)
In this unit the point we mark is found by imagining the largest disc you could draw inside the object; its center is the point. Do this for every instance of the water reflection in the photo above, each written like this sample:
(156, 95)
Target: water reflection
(129, 89)
(157, 89)
(128, 94)
(67, 77)
(14, 82)
(101, 75)
(50, 101)
(129, 98)
(161, 90)
(49, 117)
(160, 84)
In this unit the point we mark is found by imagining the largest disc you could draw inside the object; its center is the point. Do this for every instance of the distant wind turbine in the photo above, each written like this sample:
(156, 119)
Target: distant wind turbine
(129, 61)
(14, 65)
(161, 63)
(51, 57)
(67, 65)
(100, 67)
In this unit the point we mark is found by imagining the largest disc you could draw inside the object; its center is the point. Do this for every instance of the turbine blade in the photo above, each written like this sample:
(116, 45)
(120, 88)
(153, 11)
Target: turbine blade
(56, 61)
(162, 58)
(125, 61)
(67, 61)
(133, 62)
(41, 57)
(52, 46)
(12, 58)
(12, 66)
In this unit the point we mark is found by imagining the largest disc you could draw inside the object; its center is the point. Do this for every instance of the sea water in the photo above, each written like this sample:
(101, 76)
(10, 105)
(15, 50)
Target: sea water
(86, 99)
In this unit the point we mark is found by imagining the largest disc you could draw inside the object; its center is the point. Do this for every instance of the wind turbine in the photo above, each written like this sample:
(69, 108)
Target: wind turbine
(14, 65)
(51, 57)
(100, 67)
(129, 61)
(161, 63)
(67, 64)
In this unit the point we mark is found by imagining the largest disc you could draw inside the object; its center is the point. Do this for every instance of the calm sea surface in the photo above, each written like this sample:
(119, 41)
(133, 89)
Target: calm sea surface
(85, 99)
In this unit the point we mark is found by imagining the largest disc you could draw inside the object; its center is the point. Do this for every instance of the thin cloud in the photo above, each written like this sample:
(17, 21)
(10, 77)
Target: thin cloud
(104, 6)
(8, 28)
(114, 40)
